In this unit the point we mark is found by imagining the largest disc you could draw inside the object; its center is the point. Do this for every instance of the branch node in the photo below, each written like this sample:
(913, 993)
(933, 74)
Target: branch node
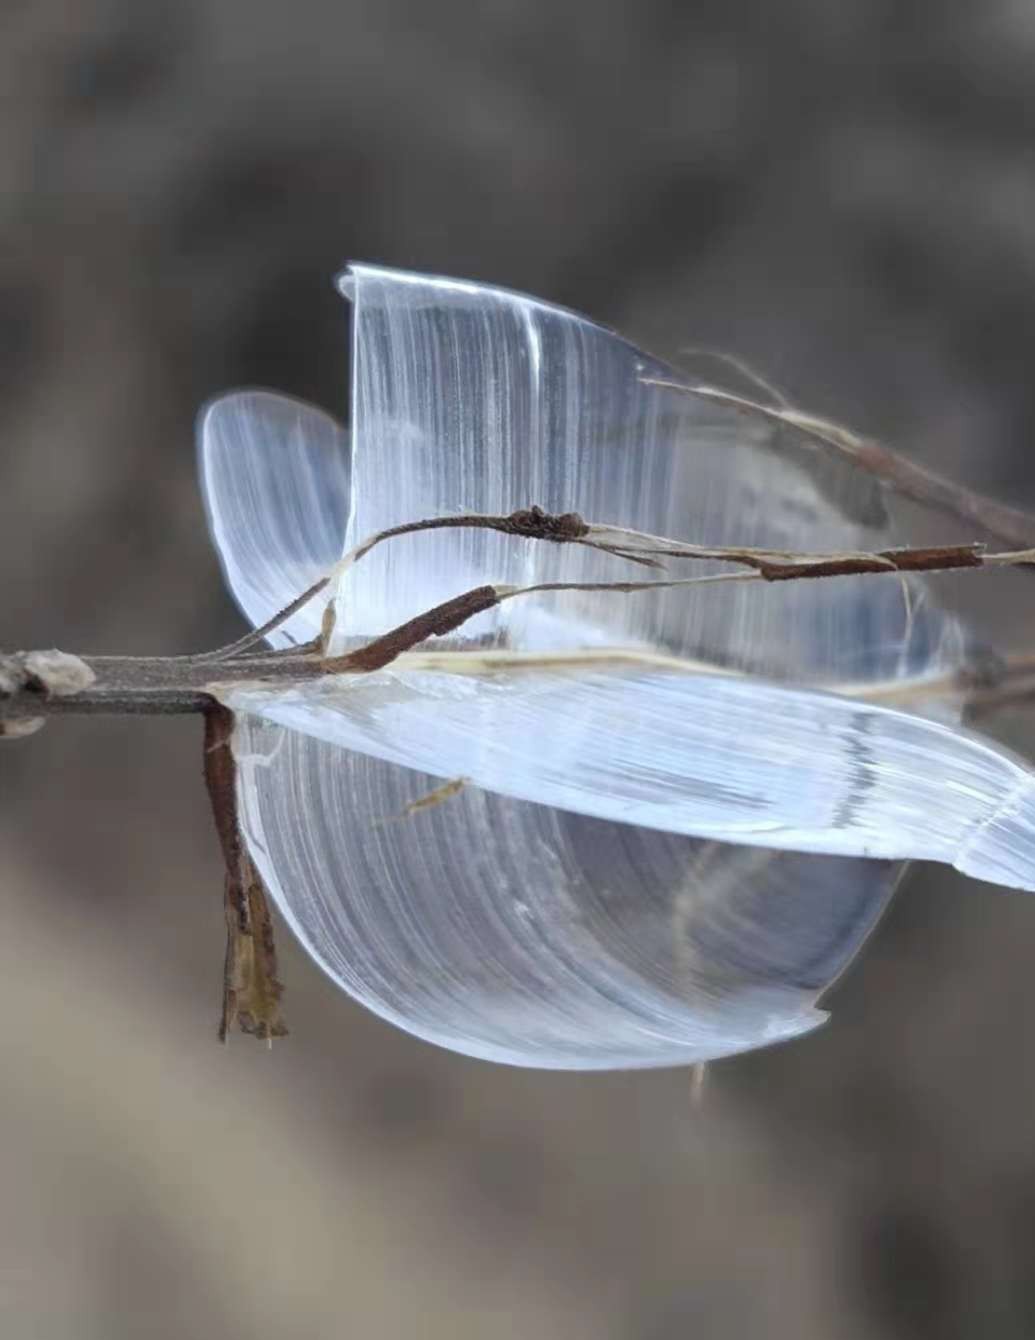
(58, 674)
(534, 524)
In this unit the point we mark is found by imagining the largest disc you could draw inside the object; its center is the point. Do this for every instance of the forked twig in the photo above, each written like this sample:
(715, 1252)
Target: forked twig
(152, 685)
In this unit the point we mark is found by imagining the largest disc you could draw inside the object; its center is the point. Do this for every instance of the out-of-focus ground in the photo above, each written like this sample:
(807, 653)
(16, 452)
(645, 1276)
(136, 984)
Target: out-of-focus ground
(842, 192)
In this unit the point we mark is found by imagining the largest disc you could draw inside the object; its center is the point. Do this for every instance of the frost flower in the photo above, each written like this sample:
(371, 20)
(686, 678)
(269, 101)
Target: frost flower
(667, 820)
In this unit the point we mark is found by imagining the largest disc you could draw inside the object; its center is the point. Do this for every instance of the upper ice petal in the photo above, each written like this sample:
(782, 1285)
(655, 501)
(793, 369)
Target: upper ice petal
(275, 478)
(517, 933)
(472, 398)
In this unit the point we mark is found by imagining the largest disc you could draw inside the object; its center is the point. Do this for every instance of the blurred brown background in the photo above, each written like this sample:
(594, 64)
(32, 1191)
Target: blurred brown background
(844, 193)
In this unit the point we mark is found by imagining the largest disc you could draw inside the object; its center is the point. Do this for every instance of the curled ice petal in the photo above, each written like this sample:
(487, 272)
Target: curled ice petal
(736, 760)
(522, 934)
(472, 398)
(275, 478)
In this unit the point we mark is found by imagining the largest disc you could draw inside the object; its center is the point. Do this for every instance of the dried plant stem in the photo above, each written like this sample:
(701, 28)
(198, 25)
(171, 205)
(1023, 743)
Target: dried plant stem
(251, 987)
(34, 685)
(1006, 524)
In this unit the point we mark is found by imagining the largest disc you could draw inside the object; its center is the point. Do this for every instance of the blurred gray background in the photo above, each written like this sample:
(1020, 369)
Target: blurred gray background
(843, 193)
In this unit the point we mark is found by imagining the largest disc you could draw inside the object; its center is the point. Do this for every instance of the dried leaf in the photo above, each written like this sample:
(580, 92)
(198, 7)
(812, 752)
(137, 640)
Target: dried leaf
(251, 989)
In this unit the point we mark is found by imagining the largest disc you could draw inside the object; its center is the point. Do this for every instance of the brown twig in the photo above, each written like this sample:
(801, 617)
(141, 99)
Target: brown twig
(776, 565)
(251, 989)
(1006, 524)
(437, 622)
(156, 685)
(527, 523)
(531, 523)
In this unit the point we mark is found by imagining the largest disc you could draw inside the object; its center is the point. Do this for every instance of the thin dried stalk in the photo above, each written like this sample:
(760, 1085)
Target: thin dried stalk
(251, 989)
(153, 685)
(1006, 524)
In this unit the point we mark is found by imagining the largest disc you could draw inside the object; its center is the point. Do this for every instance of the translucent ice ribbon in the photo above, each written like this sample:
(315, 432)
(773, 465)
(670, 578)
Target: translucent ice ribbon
(574, 902)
